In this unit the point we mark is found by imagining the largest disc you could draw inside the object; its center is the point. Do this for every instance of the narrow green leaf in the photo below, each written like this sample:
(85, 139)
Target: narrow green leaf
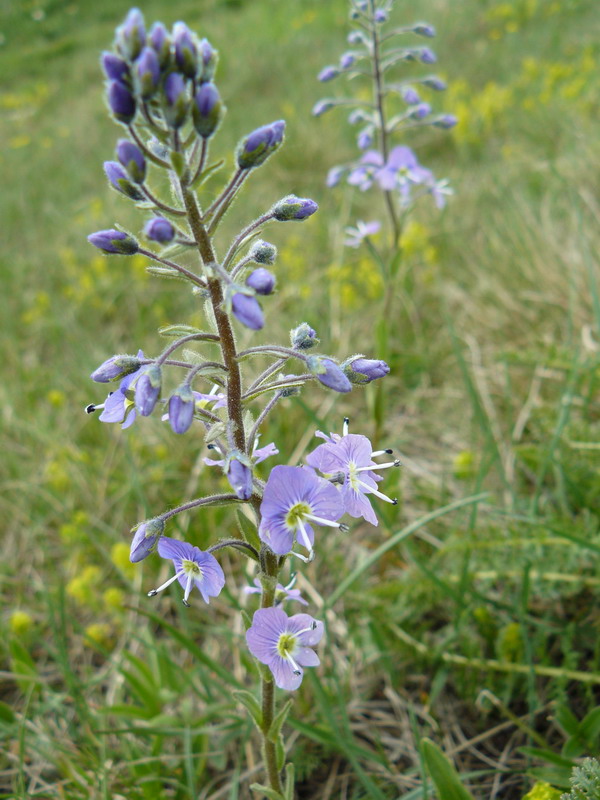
(248, 700)
(277, 723)
(396, 539)
(248, 529)
(446, 779)
(166, 272)
(187, 330)
(206, 173)
(270, 793)
(548, 755)
(281, 385)
(289, 782)
(280, 754)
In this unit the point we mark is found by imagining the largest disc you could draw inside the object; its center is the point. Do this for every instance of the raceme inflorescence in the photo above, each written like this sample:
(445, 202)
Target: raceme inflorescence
(160, 87)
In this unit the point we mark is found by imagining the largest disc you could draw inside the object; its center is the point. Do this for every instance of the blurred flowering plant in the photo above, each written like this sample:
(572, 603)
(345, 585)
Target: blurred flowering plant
(160, 88)
(396, 106)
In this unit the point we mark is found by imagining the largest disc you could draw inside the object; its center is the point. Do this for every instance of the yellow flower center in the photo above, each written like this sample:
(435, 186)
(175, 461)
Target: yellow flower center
(353, 475)
(297, 513)
(191, 568)
(286, 644)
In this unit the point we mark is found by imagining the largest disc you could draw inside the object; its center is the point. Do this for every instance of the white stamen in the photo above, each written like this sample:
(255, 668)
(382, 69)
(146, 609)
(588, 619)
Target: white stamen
(297, 670)
(305, 539)
(188, 589)
(345, 426)
(378, 494)
(311, 627)
(387, 465)
(322, 521)
(388, 452)
(303, 558)
(293, 578)
(153, 592)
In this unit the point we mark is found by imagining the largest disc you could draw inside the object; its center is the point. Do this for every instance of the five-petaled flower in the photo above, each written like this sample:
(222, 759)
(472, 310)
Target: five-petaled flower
(284, 644)
(349, 460)
(294, 498)
(193, 567)
(119, 406)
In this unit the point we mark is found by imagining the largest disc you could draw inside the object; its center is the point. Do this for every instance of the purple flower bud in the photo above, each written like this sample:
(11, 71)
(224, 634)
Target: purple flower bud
(420, 111)
(410, 96)
(186, 54)
(445, 121)
(240, 477)
(131, 35)
(293, 208)
(347, 60)
(433, 82)
(423, 29)
(328, 74)
(329, 374)
(356, 116)
(380, 15)
(261, 280)
(304, 337)
(120, 180)
(115, 68)
(181, 408)
(159, 229)
(356, 37)
(160, 43)
(115, 367)
(147, 389)
(208, 61)
(145, 538)
(322, 107)
(247, 310)
(362, 5)
(206, 110)
(112, 241)
(121, 102)
(263, 252)
(365, 139)
(148, 72)
(132, 158)
(260, 144)
(176, 101)
(364, 370)
(427, 56)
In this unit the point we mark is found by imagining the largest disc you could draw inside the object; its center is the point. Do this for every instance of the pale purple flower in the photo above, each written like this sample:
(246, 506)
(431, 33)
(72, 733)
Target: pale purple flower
(321, 107)
(364, 139)
(294, 499)
(347, 60)
(348, 459)
(362, 230)
(410, 96)
(121, 181)
(193, 567)
(258, 453)
(282, 593)
(284, 644)
(206, 110)
(400, 170)
(304, 337)
(380, 15)
(335, 175)
(427, 56)
(200, 402)
(420, 111)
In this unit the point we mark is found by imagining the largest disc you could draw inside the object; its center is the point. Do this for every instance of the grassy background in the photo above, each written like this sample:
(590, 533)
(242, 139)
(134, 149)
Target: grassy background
(494, 388)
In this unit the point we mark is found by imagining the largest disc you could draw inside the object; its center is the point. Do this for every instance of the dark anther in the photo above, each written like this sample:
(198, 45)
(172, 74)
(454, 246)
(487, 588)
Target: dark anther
(152, 593)
(90, 409)
(185, 603)
(395, 501)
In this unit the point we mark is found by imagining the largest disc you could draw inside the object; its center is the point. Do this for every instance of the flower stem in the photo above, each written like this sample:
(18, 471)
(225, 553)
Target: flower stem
(268, 690)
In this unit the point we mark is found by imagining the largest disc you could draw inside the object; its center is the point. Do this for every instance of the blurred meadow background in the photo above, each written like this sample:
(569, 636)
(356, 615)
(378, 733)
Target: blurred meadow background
(480, 629)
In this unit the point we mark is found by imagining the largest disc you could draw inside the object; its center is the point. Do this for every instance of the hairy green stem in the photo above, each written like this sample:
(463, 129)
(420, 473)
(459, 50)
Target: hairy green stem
(270, 563)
